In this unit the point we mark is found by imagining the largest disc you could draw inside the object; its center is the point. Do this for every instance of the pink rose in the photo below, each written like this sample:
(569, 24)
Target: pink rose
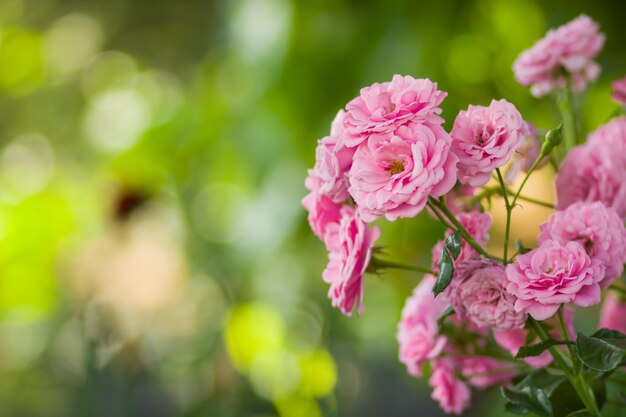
(613, 314)
(393, 173)
(350, 243)
(567, 50)
(524, 157)
(598, 229)
(477, 292)
(386, 106)
(417, 331)
(554, 274)
(452, 394)
(595, 171)
(329, 176)
(484, 138)
(477, 225)
(612, 134)
(513, 340)
(482, 372)
(619, 91)
(322, 212)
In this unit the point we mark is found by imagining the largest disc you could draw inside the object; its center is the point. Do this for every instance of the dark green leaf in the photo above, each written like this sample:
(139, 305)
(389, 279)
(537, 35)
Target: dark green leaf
(601, 354)
(446, 313)
(608, 334)
(531, 399)
(453, 244)
(538, 348)
(580, 413)
(446, 270)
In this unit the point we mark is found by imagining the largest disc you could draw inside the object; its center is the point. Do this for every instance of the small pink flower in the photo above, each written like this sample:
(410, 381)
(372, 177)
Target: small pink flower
(323, 211)
(482, 372)
(459, 198)
(552, 275)
(386, 106)
(484, 138)
(526, 155)
(619, 91)
(611, 135)
(477, 292)
(333, 160)
(513, 340)
(393, 173)
(417, 331)
(566, 51)
(477, 225)
(613, 315)
(452, 394)
(597, 228)
(350, 243)
(595, 171)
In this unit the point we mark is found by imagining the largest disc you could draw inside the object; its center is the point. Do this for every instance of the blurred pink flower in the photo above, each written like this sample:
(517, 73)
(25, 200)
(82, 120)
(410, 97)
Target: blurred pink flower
(598, 229)
(477, 225)
(386, 106)
(484, 138)
(613, 314)
(483, 372)
(452, 394)
(417, 331)
(394, 172)
(513, 340)
(612, 134)
(322, 212)
(554, 274)
(329, 176)
(350, 244)
(567, 51)
(595, 171)
(619, 91)
(477, 292)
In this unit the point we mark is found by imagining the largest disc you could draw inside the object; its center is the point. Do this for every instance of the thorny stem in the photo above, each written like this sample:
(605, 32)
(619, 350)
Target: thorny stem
(565, 102)
(509, 208)
(439, 216)
(378, 263)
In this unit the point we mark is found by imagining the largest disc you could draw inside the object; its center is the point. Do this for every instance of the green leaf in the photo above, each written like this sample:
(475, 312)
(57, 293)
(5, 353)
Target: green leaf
(451, 249)
(603, 353)
(531, 399)
(538, 348)
(453, 244)
(580, 413)
(446, 313)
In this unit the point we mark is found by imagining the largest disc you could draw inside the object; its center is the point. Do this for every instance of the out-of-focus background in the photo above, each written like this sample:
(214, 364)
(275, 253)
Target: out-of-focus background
(154, 256)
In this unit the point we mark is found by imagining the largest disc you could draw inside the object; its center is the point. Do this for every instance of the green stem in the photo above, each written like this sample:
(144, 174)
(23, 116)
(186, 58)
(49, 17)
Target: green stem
(530, 171)
(535, 201)
(565, 102)
(378, 263)
(565, 336)
(439, 216)
(509, 208)
(577, 380)
(621, 291)
(466, 236)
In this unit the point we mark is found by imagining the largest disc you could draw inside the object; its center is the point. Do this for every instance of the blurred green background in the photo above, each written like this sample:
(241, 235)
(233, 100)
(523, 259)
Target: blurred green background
(154, 256)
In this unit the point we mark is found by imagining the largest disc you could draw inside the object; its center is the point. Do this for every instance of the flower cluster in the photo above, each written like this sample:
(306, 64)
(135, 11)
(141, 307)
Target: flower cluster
(479, 319)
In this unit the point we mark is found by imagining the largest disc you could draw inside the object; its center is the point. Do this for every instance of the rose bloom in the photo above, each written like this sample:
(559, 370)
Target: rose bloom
(513, 340)
(477, 368)
(452, 394)
(595, 171)
(477, 292)
(384, 107)
(597, 228)
(484, 138)
(552, 275)
(477, 225)
(417, 331)
(323, 211)
(613, 314)
(350, 244)
(619, 91)
(393, 173)
(329, 176)
(612, 134)
(566, 51)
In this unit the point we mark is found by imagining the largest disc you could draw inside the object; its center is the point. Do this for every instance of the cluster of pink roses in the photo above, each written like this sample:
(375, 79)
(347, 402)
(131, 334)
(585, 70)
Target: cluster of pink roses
(388, 155)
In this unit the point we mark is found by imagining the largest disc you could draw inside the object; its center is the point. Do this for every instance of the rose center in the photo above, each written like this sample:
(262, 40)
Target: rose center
(395, 167)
